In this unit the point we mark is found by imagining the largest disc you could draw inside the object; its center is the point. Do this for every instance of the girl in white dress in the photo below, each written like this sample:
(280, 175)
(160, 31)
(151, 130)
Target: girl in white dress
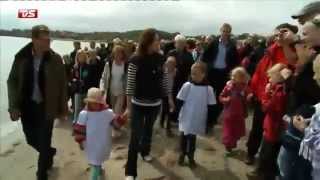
(93, 131)
(196, 100)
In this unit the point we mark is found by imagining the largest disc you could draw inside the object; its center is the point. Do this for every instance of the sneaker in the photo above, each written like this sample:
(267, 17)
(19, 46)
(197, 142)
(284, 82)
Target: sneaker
(130, 178)
(147, 158)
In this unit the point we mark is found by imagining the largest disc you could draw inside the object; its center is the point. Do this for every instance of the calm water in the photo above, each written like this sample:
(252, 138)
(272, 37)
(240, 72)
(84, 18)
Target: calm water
(9, 46)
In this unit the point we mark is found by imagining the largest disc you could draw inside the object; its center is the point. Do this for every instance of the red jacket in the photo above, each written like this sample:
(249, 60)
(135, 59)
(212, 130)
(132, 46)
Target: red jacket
(273, 104)
(273, 55)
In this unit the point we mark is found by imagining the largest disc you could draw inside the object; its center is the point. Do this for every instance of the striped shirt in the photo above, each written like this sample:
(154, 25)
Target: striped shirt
(131, 87)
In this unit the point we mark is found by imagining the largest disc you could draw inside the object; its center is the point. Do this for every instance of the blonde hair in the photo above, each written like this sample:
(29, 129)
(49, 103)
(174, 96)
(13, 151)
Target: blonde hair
(200, 65)
(239, 70)
(79, 53)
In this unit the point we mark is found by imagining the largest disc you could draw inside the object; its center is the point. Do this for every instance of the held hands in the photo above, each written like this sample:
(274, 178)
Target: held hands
(127, 113)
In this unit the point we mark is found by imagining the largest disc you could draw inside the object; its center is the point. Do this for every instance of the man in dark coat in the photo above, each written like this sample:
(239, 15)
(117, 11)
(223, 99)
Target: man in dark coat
(221, 57)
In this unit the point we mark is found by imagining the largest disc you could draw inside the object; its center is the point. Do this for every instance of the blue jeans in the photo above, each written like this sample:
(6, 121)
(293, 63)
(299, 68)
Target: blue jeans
(292, 166)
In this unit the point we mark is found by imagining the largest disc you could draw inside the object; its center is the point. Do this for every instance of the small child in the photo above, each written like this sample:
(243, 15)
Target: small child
(273, 104)
(168, 102)
(195, 102)
(93, 131)
(234, 98)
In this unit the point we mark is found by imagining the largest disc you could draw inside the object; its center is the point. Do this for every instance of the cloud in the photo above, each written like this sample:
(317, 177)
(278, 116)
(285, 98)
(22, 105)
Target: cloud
(188, 17)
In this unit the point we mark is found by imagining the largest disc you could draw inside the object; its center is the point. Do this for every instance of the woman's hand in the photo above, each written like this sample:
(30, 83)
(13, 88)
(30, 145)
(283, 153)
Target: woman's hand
(127, 113)
(172, 106)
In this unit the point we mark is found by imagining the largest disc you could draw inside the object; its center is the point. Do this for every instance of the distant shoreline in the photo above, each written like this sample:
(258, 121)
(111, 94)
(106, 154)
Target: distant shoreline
(54, 38)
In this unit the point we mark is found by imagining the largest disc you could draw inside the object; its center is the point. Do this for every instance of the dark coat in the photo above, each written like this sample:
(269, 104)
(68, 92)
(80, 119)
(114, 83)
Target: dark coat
(232, 57)
(52, 82)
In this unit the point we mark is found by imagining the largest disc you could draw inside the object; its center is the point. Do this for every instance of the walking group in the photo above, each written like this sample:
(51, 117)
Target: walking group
(189, 83)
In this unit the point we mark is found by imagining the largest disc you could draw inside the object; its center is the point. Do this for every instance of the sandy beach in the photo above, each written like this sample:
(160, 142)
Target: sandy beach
(19, 161)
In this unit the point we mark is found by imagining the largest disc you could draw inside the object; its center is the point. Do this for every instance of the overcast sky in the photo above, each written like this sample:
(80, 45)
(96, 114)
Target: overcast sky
(187, 17)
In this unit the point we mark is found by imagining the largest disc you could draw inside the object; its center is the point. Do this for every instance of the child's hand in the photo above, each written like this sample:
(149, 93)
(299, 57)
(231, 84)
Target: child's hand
(81, 145)
(268, 88)
(250, 97)
(227, 99)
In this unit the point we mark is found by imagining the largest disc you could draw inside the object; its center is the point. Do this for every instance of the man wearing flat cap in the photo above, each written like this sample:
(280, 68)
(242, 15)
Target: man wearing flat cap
(308, 12)
(37, 92)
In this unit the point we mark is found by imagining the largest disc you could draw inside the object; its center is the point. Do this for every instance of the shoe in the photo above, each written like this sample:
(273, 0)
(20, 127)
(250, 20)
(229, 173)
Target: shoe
(130, 178)
(52, 154)
(147, 158)
(250, 160)
(192, 164)
(42, 176)
(181, 160)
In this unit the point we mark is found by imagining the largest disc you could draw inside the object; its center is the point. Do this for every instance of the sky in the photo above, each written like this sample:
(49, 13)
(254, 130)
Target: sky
(189, 17)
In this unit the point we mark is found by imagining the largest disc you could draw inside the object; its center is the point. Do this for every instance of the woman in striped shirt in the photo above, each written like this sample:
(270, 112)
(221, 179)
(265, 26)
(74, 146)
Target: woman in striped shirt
(147, 84)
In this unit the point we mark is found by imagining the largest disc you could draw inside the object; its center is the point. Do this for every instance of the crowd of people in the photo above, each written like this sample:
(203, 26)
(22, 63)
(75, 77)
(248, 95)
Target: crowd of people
(186, 81)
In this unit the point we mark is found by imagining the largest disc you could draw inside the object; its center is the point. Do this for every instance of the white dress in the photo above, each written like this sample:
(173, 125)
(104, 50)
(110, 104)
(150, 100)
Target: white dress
(194, 112)
(98, 135)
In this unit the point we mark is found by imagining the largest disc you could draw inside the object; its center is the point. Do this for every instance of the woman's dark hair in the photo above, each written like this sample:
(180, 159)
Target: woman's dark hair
(146, 39)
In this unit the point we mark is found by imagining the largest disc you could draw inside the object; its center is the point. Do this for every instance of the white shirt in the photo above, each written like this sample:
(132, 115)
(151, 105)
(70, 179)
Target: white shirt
(98, 135)
(117, 74)
(194, 112)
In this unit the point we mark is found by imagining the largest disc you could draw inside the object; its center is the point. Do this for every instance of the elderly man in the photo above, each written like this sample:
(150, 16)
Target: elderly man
(184, 61)
(221, 57)
(308, 12)
(37, 92)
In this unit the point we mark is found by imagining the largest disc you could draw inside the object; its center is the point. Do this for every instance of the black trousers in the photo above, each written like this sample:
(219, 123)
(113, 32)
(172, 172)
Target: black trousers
(38, 133)
(166, 116)
(267, 165)
(142, 121)
(217, 79)
(256, 133)
(188, 145)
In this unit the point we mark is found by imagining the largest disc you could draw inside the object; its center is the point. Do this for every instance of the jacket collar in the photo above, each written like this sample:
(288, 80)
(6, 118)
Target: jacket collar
(27, 52)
